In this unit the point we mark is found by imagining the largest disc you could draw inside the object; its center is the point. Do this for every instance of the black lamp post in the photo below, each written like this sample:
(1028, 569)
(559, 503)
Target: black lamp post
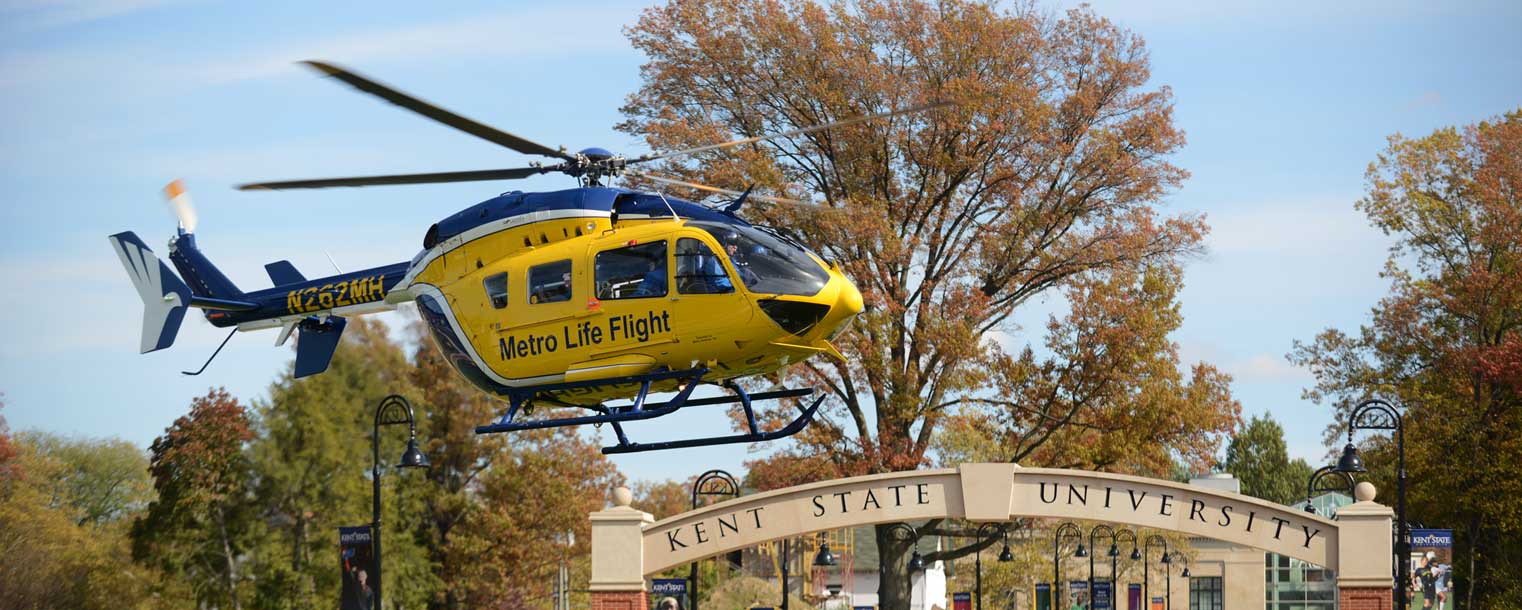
(908, 533)
(1114, 552)
(1062, 531)
(977, 562)
(1169, 572)
(1377, 414)
(1146, 566)
(1123, 536)
(1326, 479)
(713, 483)
(392, 410)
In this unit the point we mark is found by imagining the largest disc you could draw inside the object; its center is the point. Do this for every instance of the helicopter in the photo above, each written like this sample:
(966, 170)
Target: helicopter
(578, 298)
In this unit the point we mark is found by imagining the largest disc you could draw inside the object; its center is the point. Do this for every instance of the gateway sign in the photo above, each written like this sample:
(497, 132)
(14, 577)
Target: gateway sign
(989, 492)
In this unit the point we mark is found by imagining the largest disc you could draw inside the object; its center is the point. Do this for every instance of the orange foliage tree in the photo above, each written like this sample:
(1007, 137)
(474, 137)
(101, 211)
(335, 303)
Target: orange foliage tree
(1041, 182)
(1447, 343)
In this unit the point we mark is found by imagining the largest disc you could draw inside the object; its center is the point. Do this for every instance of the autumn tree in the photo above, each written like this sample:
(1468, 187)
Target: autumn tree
(61, 547)
(541, 486)
(1042, 181)
(1259, 458)
(453, 408)
(203, 520)
(1446, 342)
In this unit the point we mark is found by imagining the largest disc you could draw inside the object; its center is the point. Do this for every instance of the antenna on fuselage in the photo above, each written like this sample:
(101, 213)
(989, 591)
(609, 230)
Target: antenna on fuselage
(668, 205)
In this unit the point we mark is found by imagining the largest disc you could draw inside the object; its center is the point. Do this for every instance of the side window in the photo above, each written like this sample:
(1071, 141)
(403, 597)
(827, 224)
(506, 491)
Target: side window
(550, 282)
(632, 272)
(698, 270)
(496, 289)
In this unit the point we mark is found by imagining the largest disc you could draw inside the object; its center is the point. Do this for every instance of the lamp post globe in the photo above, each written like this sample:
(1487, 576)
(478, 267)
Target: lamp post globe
(1350, 460)
(916, 562)
(412, 457)
(824, 558)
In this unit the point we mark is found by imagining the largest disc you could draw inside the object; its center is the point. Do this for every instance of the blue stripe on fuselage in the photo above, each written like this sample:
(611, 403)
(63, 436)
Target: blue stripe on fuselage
(354, 288)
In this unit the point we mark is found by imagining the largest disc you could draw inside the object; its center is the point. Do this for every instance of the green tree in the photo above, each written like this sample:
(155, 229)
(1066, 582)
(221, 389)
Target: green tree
(1258, 457)
(102, 480)
(204, 520)
(1446, 342)
(313, 455)
(1042, 181)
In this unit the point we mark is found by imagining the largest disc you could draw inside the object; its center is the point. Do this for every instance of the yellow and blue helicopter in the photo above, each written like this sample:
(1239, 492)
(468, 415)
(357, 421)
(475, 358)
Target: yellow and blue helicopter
(573, 298)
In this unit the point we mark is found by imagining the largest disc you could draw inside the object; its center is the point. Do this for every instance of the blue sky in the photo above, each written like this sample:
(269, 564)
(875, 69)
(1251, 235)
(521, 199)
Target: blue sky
(102, 102)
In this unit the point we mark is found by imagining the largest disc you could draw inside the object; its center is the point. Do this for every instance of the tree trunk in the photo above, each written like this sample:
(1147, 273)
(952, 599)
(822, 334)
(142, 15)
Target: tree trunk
(227, 556)
(895, 584)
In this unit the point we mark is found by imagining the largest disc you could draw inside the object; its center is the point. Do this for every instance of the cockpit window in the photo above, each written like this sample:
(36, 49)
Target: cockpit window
(632, 272)
(768, 264)
(698, 270)
(550, 282)
(496, 289)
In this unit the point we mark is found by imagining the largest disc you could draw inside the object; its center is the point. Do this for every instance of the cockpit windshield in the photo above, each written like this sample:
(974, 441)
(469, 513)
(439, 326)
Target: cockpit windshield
(766, 263)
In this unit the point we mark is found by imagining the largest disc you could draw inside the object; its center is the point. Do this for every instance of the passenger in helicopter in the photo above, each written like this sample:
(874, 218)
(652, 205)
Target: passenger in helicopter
(653, 284)
(737, 257)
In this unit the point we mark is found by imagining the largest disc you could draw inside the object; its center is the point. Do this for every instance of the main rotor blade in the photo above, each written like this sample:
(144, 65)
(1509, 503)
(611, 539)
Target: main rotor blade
(470, 176)
(796, 132)
(712, 189)
(485, 132)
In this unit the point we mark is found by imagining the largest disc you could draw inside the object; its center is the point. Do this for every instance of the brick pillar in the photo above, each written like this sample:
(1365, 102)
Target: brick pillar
(618, 555)
(619, 600)
(1364, 549)
(1362, 598)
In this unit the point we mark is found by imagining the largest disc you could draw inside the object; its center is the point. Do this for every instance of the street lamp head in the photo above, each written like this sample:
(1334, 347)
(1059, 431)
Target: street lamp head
(1081, 552)
(1166, 560)
(1185, 573)
(916, 562)
(824, 558)
(1114, 551)
(412, 457)
(1005, 556)
(1350, 461)
(1135, 554)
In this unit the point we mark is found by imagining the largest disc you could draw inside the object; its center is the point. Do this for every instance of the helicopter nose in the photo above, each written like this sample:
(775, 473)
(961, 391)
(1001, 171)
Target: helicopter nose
(848, 304)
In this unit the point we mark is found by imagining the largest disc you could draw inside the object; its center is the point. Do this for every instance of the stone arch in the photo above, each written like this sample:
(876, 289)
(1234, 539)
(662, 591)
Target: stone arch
(628, 544)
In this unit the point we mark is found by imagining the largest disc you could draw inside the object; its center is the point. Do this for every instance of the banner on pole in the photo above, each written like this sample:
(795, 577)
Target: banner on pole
(356, 557)
(961, 600)
(668, 593)
(1432, 566)
(1133, 596)
(1103, 595)
(1078, 595)
(1043, 596)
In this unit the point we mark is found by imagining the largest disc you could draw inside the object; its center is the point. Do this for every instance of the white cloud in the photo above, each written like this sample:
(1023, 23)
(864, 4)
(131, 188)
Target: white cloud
(555, 31)
(48, 14)
(1267, 368)
(1312, 227)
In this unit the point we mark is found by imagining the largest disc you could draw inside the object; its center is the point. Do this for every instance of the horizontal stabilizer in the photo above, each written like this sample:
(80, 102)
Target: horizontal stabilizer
(316, 341)
(164, 296)
(283, 273)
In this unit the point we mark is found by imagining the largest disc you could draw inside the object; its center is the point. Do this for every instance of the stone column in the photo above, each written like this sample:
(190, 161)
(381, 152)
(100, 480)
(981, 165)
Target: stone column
(1363, 553)
(618, 555)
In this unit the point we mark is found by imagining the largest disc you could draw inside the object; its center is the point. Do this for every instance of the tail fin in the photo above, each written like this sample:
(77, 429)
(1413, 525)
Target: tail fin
(165, 297)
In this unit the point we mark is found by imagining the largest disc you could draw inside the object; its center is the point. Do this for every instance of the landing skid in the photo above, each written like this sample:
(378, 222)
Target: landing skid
(640, 410)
